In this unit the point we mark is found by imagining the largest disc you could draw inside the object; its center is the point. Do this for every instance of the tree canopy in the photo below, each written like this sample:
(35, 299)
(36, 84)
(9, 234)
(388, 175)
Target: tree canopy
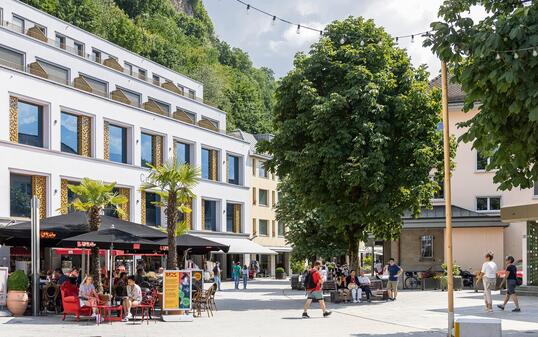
(501, 83)
(181, 38)
(356, 133)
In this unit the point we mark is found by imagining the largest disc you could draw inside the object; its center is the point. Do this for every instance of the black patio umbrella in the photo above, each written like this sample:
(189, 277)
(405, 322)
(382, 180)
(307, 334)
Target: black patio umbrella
(56, 228)
(195, 244)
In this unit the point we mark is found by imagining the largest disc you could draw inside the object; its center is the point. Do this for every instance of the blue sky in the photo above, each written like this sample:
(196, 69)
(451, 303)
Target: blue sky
(274, 46)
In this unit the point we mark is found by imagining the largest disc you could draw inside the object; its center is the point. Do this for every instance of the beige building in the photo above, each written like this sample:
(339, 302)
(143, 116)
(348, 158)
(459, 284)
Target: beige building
(266, 230)
(476, 203)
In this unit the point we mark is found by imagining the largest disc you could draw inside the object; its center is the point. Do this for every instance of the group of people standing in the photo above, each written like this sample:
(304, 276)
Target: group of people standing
(488, 276)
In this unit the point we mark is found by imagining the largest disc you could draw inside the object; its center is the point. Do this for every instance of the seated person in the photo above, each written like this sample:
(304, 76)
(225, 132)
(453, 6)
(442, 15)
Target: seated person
(364, 284)
(88, 296)
(341, 287)
(353, 285)
(59, 276)
(140, 276)
(133, 299)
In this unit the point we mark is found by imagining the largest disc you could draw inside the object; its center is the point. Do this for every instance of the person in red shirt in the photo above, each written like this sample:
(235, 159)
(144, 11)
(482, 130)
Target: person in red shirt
(313, 290)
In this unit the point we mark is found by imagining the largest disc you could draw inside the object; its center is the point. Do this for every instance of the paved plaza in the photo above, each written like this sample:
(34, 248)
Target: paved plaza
(271, 308)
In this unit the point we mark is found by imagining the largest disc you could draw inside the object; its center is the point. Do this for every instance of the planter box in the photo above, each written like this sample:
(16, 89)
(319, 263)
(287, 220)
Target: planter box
(457, 282)
(280, 276)
(431, 284)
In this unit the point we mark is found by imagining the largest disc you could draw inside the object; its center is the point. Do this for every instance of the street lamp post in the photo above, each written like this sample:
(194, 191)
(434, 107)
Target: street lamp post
(34, 247)
(448, 199)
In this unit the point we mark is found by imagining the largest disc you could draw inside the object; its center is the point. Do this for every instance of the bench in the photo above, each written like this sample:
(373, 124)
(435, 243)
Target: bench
(376, 286)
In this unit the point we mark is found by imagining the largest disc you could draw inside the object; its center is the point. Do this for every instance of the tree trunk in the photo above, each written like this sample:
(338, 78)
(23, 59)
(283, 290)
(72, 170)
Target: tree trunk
(353, 255)
(171, 223)
(94, 222)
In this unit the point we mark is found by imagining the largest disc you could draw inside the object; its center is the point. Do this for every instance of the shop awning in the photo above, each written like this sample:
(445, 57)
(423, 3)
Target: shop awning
(280, 249)
(241, 246)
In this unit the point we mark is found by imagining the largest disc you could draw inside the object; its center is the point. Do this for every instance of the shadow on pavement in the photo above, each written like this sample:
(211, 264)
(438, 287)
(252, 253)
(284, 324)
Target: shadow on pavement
(511, 333)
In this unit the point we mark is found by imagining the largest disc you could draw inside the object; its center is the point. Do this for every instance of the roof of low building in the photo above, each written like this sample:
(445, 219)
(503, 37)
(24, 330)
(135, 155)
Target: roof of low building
(461, 218)
(253, 139)
(455, 92)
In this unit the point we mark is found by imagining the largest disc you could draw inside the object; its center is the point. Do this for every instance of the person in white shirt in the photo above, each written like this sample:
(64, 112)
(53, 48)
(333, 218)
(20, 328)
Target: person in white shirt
(364, 284)
(488, 274)
(323, 272)
(133, 299)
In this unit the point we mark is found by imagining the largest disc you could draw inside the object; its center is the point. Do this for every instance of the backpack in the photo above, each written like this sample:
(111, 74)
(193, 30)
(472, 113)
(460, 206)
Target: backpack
(308, 281)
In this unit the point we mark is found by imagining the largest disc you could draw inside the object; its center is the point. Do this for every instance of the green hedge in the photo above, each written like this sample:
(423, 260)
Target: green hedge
(17, 281)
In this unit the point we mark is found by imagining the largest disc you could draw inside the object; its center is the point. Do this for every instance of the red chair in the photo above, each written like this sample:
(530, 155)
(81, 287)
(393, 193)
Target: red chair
(147, 307)
(71, 302)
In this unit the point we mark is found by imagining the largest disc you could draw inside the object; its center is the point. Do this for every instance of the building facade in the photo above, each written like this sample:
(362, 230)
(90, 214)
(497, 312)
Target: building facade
(74, 105)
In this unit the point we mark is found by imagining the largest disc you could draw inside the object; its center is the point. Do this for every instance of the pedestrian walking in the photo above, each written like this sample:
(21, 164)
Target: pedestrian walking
(510, 277)
(488, 276)
(394, 272)
(216, 275)
(313, 282)
(237, 274)
(244, 272)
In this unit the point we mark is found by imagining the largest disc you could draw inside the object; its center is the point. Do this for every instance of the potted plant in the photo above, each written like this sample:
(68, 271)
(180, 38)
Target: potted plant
(457, 281)
(17, 297)
(280, 273)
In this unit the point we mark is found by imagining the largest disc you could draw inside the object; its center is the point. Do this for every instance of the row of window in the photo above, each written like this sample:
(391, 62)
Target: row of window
(22, 188)
(260, 197)
(62, 41)
(261, 227)
(76, 138)
(259, 169)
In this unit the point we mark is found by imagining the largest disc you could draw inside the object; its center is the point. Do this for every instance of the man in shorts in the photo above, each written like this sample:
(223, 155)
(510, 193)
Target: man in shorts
(313, 290)
(394, 272)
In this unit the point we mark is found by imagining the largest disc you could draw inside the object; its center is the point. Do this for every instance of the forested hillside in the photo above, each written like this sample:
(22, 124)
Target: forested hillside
(180, 35)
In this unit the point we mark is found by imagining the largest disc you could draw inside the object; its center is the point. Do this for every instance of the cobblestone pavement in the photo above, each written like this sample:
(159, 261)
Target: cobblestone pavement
(270, 308)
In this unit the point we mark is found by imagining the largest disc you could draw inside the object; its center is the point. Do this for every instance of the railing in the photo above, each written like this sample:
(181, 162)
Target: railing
(75, 51)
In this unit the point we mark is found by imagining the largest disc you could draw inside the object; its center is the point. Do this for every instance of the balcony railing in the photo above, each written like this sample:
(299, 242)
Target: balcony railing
(75, 51)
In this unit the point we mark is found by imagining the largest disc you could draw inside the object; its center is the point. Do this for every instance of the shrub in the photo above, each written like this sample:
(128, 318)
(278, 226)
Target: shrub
(17, 281)
(298, 266)
(280, 270)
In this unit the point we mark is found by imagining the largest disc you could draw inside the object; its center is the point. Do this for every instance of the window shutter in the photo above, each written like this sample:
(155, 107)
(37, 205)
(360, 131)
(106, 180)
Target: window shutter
(254, 229)
(203, 214)
(106, 142)
(237, 218)
(84, 136)
(254, 195)
(63, 196)
(39, 189)
(214, 165)
(126, 207)
(14, 119)
(253, 167)
(157, 151)
(143, 207)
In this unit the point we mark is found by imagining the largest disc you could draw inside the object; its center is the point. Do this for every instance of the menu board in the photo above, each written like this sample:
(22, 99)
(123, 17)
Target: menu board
(3, 285)
(197, 280)
(177, 290)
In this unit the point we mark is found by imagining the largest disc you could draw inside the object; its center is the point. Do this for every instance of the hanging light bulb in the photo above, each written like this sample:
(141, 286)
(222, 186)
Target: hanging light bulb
(380, 43)
(516, 55)
(298, 29)
(342, 41)
(412, 38)
(362, 43)
(396, 39)
(534, 52)
(320, 33)
(248, 9)
(274, 21)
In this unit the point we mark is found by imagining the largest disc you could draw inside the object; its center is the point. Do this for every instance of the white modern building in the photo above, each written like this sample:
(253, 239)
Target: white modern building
(74, 105)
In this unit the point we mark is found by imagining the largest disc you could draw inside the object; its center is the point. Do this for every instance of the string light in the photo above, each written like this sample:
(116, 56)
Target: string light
(516, 56)
(534, 52)
(248, 11)
(412, 38)
(298, 29)
(274, 20)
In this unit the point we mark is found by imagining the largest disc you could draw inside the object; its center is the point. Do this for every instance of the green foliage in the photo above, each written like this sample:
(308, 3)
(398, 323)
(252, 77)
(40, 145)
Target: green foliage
(297, 265)
(456, 271)
(280, 270)
(502, 86)
(367, 262)
(184, 40)
(95, 195)
(355, 137)
(17, 281)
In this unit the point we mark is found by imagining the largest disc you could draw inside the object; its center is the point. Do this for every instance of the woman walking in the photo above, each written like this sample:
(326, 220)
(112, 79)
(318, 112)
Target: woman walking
(489, 278)
(245, 276)
(510, 277)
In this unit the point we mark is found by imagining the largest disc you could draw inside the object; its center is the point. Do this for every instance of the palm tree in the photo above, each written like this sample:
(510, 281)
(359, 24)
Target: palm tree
(174, 183)
(92, 197)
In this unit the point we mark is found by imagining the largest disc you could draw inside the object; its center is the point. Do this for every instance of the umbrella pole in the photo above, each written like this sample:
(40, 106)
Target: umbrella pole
(110, 269)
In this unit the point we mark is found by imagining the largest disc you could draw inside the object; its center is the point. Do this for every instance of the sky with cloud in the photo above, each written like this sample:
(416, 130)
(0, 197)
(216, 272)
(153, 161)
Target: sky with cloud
(274, 46)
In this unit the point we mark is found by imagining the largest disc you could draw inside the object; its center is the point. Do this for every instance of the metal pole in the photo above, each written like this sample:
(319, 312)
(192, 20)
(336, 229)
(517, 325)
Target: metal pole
(111, 265)
(35, 255)
(448, 199)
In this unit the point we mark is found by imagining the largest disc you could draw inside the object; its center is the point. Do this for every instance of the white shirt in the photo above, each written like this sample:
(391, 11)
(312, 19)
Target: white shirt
(489, 269)
(324, 274)
(364, 280)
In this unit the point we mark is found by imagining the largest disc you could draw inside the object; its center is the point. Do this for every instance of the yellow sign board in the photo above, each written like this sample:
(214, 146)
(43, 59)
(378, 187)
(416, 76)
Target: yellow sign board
(177, 290)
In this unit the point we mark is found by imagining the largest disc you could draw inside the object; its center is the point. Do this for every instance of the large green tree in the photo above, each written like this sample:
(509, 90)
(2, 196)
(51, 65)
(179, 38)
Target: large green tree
(500, 83)
(355, 132)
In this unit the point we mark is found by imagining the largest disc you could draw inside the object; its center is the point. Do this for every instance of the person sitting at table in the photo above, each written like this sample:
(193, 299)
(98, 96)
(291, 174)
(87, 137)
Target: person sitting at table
(353, 285)
(140, 276)
(59, 276)
(133, 299)
(341, 287)
(364, 284)
(88, 296)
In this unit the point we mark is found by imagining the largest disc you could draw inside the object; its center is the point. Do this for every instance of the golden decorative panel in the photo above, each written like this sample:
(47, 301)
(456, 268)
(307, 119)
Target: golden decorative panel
(37, 69)
(157, 150)
(80, 83)
(203, 215)
(254, 227)
(113, 63)
(127, 206)
(171, 87)
(119, 96)
(106, 142)
(14, 119)
(143, 207)
(63, 196)
(214, 165)
(39, 189)
(182, 116)
(153, 107)
(37, 33)
(207, 124)
(237, 218)
(85, 136)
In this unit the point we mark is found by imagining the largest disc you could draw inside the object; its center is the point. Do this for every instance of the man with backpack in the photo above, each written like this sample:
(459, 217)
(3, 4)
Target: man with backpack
(313, 282)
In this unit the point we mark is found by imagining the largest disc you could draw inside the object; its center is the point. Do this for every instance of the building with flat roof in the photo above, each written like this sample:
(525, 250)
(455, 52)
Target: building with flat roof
(76, 105)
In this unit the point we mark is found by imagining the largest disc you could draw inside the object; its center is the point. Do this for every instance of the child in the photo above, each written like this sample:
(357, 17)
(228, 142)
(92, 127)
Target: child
(245, 276)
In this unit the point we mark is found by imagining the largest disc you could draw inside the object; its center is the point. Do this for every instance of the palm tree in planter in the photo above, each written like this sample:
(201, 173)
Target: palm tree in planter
(92, 197)
(174, 183)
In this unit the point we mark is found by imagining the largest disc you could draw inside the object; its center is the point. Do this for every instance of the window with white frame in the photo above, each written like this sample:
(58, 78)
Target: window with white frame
(485, 204)
(535, 189)
(481, 162)
(426, 246)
